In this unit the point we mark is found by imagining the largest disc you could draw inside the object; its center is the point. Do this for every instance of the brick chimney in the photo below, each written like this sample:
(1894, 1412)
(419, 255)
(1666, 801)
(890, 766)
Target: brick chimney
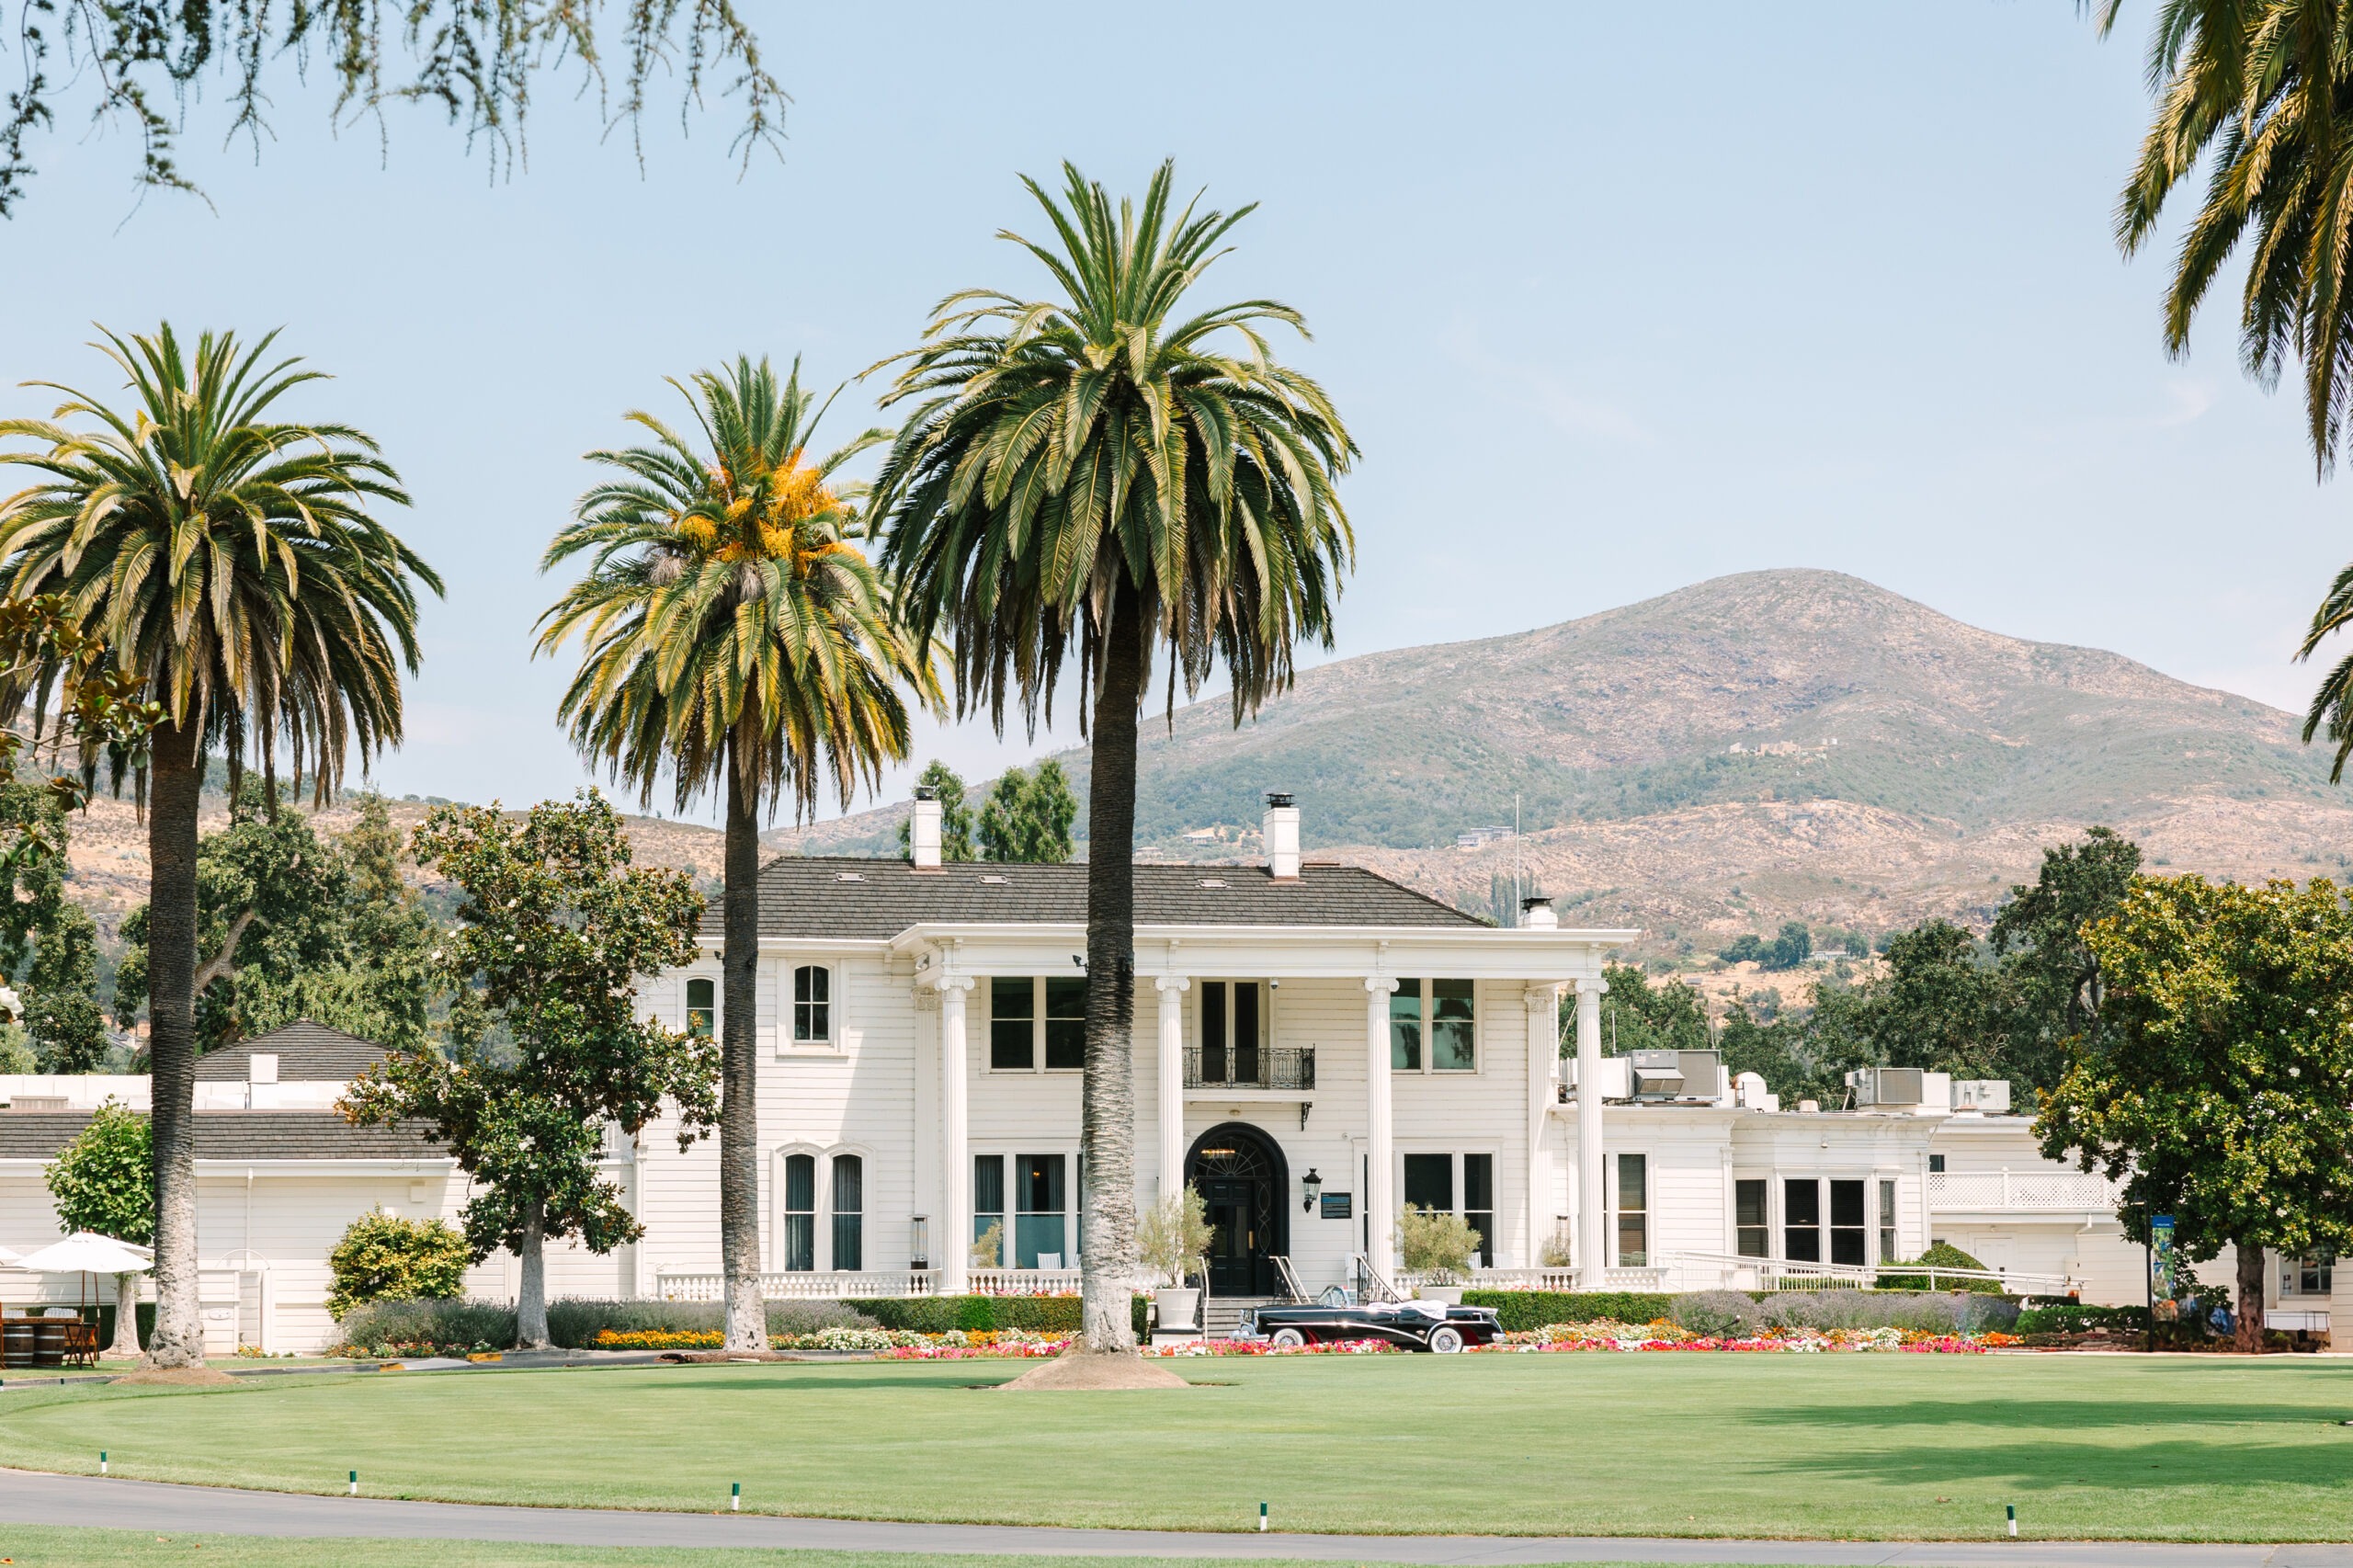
(1280, 832)
(923, 831)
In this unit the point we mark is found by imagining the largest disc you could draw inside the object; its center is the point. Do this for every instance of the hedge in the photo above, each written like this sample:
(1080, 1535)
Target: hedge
(1519, 1311)
(2076, 1317)
(938, 1314)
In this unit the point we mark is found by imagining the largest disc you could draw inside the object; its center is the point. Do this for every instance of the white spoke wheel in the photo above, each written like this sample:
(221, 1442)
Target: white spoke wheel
(1446, 1339)
(1286, 1340)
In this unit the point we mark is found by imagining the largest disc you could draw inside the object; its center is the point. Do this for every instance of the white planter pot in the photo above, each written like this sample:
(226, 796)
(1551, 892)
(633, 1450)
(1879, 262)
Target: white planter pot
(1451, 1294)
(1174, 1308)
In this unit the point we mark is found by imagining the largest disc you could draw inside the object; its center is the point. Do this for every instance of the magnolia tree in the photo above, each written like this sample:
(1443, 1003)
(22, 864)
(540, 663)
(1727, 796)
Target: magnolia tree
(104, 1181)
(547, 1049)
(2218, 1085)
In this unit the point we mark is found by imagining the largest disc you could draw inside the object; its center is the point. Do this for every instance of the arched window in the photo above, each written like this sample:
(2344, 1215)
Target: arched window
(849, 1212)
(702, 1006)
(813, 1005)
(800, 1248)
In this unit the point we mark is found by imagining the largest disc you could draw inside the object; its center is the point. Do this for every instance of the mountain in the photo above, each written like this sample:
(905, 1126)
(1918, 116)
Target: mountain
(1768, 745)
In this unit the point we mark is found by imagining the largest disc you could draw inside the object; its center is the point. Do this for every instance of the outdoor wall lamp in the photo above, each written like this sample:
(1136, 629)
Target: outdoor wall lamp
(1312, 1186)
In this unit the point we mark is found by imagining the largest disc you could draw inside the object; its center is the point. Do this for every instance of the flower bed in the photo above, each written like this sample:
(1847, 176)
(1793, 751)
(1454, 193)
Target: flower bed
(1664, 1335)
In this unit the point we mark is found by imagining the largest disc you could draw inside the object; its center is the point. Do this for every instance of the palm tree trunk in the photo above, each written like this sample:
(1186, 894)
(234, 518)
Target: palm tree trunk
(1108, 1118)
(739, 1121)
(531, 1290)
(2249, 1335)
(176, 780)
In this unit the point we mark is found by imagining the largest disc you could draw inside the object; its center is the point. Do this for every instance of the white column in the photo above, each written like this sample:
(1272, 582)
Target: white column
(1379, 1204)
(1593, 1245)
(1172, 1083)
(953, 1248)
(1543, 1050)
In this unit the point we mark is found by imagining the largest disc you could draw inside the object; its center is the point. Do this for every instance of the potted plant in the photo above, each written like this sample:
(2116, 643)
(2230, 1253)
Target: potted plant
(1169, 1236)
(1440, 1246)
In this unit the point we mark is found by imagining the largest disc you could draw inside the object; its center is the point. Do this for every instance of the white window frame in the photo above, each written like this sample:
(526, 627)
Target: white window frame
(1268, 994)
(1650, 1210)
(1429, 1068)
(1037, 1033)
(1457, 1152)
(838, 1006)
(820, 1239)
(707, 969)
(1074, 1196)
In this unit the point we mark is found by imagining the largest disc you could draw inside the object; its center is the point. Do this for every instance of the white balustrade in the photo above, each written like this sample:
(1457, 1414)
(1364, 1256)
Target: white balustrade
(2022, 1192)
(801, 1285)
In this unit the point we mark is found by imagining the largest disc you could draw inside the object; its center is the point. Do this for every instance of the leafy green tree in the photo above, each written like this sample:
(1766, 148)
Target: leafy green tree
(2047, 960)
(104, 1181)
(555, 931)
(2219, 1088)
(1082, 478)
(231, 565)
(737, 638)
(1028, 816)
(61, 1011)
(955, 816)
(140, 65)
(1638, 1016)
(385, 1258)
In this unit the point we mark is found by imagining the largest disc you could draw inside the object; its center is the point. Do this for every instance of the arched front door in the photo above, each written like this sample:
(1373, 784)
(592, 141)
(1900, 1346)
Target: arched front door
(1244, 1180)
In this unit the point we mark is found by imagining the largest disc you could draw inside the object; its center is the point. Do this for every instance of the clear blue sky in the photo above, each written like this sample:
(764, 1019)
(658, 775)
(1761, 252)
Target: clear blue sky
(1612, 305)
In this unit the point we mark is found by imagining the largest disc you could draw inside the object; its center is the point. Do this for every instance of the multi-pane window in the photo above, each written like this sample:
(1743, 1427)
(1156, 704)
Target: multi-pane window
(798, 1248)
(2307, 1275)
(702, 1006)
(1936, 1165)
(1038, 1220)
(1634, 1211)
(813, 1005)
(1233, 1030)
(1030, 1016)
(1479, 1203)
(1431, 1184)
(1752, 1218)
(849, 1212)
(1440, 1013)
(1801, 1219)
(1846, 1224)
(988, 1210)
(1887, 1252)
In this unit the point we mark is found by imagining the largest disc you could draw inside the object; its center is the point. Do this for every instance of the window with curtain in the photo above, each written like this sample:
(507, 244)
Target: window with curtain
(1634, 1211)
(1405, 1026)
(1846, 1224)
(988, 1209)
(1801, 1219)
(1040, 1206)
(1454, 1031)
(1479, 1203)
(1013, 1022)
(1065, 1022)
(1887, 1223)
(702, 1006)
(1752, 1218)
(849, 1212)
(813, 1005)
(798, 1248)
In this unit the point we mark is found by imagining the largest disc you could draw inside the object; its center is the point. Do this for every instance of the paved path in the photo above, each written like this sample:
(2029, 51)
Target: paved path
(31, 1497)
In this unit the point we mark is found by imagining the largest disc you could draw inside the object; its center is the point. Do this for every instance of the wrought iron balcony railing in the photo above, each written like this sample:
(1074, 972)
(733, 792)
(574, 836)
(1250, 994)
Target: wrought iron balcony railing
(1250, 1067)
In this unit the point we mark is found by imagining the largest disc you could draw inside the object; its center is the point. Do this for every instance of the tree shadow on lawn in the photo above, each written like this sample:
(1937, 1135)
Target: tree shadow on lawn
(2023, 1412)
(2039, 1464)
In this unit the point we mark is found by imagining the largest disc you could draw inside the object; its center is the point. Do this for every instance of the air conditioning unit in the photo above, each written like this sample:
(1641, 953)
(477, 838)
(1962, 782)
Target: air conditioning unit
(1899, 1086)
(1989, 1096)
(1658, 1075)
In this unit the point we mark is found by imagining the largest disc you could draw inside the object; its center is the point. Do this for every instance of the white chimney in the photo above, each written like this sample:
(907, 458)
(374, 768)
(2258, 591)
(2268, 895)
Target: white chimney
(261, 1067)
(1535, 914)
(1280, 832)
(923, 833)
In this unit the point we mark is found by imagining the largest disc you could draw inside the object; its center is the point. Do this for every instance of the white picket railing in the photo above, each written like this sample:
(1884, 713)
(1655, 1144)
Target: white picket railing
(799, 1285)
(1564, 1279)
(1735, 1271)
(1026, 1281)
(2022, 1192)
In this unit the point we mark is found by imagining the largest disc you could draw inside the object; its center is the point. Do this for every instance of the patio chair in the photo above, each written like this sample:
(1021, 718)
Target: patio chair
(82, 1343)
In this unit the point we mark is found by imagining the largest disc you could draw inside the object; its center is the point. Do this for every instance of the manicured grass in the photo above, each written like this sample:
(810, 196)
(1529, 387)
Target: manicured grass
(42, 1546)
(1843, 1445)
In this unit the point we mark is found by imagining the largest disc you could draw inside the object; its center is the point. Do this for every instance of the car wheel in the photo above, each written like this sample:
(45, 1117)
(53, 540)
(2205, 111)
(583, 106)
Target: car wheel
(1286, 1340)
(1446, 1339)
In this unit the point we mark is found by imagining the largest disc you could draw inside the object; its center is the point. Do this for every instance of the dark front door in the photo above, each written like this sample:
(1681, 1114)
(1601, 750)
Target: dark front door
(1242, 1179)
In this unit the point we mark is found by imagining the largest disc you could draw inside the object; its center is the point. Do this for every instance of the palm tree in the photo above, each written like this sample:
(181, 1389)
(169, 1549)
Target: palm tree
(230, 561)
(2255, 91)
(734, 635)
(1096, 475)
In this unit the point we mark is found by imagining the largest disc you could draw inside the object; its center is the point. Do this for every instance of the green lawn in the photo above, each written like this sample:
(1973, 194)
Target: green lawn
(1843, 1445)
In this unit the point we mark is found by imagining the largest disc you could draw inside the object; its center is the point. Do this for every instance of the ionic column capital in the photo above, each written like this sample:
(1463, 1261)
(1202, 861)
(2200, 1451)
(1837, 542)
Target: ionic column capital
(948, 983)
(1175, 983)
(1592, 986)
(1381, 985)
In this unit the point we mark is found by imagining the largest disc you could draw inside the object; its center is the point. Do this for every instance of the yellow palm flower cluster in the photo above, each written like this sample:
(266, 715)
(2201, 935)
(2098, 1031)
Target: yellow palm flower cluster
(765, 523)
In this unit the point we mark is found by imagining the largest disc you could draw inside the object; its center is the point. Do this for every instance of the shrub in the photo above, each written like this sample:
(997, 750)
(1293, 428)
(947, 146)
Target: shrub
(984, 1315)
(1522, 1310)
(576, 1321)
(397, 1327)
(2076, 1317)
(1954, 1312)
(385, 1258)
(1716, 1314)
(1172, 1233)
(1943, 1255)
(1433, 1241)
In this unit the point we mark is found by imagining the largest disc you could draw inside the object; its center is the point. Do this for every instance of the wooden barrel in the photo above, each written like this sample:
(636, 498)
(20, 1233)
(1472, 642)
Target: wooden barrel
(48, 1342)
(16, 1342)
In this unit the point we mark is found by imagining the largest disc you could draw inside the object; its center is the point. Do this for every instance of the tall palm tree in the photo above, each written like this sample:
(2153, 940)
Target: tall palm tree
(230, 561)
(734, 636)
(2260, 93)
(1094, 474)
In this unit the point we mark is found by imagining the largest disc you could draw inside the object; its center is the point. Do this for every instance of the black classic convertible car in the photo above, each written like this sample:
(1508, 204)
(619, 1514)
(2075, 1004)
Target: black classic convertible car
(1412, 1325)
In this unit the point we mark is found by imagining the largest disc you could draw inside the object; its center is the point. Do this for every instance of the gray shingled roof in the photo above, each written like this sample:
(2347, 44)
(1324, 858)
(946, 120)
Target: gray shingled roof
(875, 900)
(235, 1135)
(307, 1054)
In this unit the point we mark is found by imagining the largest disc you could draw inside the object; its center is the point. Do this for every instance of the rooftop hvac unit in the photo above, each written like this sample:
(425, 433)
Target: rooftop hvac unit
(1887, 1085)
(1658, 1075)
(1989, 1095)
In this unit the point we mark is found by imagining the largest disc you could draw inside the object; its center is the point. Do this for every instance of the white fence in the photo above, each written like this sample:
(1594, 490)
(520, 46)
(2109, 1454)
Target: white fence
(2022, 1192)
(1543, 1279)
(1732, 1271)
(832, 1284)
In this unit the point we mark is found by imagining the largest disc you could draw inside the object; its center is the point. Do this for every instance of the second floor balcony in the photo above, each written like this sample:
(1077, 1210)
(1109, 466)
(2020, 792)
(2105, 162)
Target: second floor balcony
(1250, 1067)
(2043, 1191)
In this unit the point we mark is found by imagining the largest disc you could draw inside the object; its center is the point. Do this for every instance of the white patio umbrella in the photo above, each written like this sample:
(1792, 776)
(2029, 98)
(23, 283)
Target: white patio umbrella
(86, 1252)
(7, 1259)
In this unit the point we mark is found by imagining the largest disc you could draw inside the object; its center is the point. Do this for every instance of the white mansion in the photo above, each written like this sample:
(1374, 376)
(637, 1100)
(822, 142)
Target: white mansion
(1316, 1047)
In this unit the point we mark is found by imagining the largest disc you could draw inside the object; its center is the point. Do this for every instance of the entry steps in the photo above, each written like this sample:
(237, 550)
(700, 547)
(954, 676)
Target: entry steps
(1222, 1315)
